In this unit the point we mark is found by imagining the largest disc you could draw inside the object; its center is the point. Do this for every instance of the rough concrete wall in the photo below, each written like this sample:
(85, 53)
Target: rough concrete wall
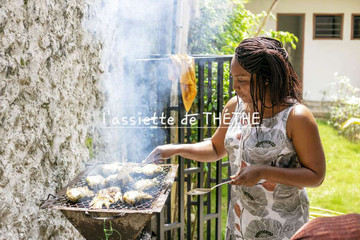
(49, 95)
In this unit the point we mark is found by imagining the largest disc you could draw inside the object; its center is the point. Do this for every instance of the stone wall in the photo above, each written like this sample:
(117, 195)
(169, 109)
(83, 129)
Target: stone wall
(49, 97)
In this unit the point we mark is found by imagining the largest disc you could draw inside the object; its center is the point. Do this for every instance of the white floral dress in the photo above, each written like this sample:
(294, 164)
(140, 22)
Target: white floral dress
(266, 210)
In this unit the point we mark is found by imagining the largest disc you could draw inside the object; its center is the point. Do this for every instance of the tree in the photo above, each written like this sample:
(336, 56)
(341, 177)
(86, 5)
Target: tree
(223, 24)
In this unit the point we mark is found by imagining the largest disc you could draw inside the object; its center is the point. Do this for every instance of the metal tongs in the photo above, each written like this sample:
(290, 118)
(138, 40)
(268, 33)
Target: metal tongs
(201, 191)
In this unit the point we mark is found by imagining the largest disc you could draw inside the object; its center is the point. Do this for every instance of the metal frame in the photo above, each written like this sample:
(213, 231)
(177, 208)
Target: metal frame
(353, 15)
(328, 14)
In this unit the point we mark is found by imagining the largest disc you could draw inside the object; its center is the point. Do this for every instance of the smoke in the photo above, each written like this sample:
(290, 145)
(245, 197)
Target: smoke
(128, 31)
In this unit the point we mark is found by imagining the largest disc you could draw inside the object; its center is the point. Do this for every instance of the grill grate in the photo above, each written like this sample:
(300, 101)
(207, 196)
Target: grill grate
(63, 202)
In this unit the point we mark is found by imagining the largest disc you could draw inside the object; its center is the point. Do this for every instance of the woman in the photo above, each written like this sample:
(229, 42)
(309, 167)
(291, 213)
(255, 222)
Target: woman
(272, 160)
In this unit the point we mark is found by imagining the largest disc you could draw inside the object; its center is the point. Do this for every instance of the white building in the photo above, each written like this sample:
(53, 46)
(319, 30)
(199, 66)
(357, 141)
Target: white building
(329, 39)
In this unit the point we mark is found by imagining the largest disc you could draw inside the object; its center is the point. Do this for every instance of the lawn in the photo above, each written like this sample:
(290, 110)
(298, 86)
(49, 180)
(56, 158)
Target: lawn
(341, 188)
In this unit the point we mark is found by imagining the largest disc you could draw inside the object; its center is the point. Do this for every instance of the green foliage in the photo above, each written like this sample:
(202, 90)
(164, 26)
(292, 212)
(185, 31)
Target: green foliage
(346, 105)
(205, 28)
(223, 24)
(241, 24)
(285, 38)
(89, 146)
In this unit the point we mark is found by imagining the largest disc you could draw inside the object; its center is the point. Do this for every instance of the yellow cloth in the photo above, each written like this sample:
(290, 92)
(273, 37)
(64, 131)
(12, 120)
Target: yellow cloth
(183, 67)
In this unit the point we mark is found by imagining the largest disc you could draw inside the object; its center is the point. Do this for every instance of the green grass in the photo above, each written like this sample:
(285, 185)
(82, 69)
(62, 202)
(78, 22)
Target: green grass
(340, 190)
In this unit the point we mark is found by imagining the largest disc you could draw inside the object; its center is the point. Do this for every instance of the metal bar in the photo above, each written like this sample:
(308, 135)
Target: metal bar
(181, 175)
(201, 100)
(210, 216)
(161, 102)
(230, 82)
(213, 180)
(168, 217)
(209, 96)
(220, 86)
(172, 226)
(161, 225)
(165, 57)
(200, 138)
(225, 164)
(191, 170)
(188, 211)
(220, 97)
(200, 206)
(213, 58)
(173, 108)
(208, 202)
(218, 199)
(208, 134)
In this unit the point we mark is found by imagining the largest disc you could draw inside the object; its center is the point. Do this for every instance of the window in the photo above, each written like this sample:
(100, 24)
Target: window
(355, 26)
(328, 26)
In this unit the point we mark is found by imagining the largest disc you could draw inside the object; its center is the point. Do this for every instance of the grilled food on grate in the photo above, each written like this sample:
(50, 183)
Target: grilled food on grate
(132, 197)
(105, 197)
(120, 178)
(110, 169)
(117, 184)
(76, 194)
(145, 184)
(151, 170)
(96, 181)
(147, 201)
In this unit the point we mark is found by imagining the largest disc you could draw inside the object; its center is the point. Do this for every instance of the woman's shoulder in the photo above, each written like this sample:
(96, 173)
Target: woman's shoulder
(232, 104)
(300, 111)
(299, 119)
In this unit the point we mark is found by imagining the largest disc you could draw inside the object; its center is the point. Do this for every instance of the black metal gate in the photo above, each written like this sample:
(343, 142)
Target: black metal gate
(199, 217)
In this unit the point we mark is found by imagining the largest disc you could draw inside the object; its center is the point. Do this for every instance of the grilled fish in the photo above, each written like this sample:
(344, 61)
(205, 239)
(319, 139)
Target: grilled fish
(132, 197)
(112, 178)
(151, 169)
(120, 178)
(106, 197)
(136, 170)
(145, 184)
(75, 194)
(124, 175)
(111, 168)
(96, 181)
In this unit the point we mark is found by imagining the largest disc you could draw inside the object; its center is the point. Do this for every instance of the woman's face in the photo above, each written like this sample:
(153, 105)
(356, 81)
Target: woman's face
(241, 81)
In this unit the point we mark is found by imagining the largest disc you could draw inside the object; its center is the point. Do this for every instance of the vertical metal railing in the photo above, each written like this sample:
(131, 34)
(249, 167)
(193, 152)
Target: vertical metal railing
(200, 212)
(200, 217)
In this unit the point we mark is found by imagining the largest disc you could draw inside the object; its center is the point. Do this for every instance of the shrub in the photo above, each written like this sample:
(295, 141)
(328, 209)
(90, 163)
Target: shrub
(346, 105)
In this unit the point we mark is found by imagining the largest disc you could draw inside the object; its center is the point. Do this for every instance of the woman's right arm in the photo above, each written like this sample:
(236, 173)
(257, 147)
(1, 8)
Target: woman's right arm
(206, 151)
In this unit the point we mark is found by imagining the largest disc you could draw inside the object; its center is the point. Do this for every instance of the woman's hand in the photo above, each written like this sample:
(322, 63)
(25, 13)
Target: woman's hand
(248, 176)
(160, 153)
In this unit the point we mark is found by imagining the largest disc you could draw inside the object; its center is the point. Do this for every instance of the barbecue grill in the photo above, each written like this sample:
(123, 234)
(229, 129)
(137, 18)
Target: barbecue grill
(127, 221)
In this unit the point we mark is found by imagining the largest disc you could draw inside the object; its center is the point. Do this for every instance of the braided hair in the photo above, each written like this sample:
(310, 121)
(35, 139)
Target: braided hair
(267, 58)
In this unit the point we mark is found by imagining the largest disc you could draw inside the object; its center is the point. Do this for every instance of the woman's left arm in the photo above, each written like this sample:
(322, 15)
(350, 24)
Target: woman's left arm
(302, 129)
